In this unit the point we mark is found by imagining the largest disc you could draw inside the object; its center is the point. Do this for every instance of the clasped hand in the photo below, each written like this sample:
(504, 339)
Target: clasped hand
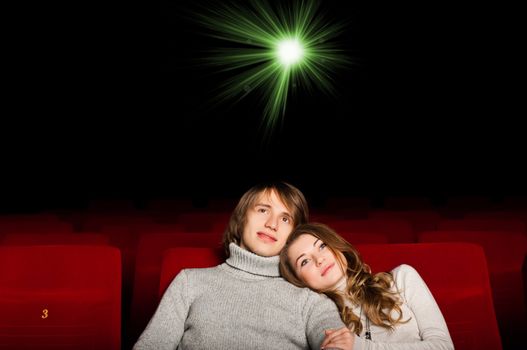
(338, 339)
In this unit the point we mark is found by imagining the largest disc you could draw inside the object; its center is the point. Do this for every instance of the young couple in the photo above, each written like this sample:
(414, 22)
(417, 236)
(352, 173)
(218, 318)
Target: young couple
(245, 302)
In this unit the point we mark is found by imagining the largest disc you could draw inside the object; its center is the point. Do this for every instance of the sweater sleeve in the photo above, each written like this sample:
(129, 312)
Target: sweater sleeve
(432, 326)
(166, 327)
(320, 314)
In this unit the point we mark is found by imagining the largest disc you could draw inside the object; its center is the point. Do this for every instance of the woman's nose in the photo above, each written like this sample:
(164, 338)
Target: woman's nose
(319, 260)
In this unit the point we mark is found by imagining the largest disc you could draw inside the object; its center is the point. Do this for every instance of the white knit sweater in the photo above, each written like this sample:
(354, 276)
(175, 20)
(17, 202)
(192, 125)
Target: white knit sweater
(426, 329)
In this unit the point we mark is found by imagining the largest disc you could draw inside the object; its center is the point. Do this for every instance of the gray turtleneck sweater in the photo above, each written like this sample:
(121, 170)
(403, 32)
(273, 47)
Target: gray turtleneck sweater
(240, 304)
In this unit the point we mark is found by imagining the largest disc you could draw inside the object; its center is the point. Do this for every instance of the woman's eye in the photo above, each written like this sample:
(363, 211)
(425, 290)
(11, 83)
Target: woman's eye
(262, 210)
(285, 219)
(322, 246)
(303, 262)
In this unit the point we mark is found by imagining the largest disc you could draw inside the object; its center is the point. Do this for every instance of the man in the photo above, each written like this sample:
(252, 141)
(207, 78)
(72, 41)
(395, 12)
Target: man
(244, 303)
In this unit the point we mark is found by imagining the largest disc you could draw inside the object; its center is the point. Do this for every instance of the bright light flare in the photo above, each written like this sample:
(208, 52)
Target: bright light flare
(272, 49)
(290, 51)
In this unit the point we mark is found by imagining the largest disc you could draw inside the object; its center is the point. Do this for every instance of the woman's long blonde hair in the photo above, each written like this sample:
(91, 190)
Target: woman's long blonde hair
(373, 293)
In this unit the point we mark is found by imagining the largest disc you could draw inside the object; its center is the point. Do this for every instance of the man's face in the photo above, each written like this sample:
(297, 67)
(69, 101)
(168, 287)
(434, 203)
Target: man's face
(269, 223)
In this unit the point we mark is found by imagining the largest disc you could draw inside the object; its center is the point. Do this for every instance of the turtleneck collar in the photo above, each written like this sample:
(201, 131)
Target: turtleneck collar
(244, 260)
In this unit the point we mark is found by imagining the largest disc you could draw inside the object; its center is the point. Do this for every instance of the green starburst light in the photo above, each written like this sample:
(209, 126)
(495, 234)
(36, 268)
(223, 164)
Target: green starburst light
(272, 49)
(290, 51)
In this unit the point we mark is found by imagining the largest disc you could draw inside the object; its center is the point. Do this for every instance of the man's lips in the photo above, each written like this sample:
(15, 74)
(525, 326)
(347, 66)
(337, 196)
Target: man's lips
(327, 269)
(266, 237)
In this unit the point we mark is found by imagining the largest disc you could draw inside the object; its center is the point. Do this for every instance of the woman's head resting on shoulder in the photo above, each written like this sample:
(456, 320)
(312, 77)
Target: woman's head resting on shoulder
(315, 256)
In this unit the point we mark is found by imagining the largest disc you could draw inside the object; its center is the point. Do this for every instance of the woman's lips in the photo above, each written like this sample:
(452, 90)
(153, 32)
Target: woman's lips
(327, 269)
(266, 238)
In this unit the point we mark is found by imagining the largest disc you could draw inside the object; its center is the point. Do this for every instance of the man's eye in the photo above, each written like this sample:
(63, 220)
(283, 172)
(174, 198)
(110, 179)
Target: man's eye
(262, 210)
(285, 219)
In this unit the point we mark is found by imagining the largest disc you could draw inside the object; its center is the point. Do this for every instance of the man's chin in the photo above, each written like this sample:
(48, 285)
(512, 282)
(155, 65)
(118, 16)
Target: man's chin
(264, 253)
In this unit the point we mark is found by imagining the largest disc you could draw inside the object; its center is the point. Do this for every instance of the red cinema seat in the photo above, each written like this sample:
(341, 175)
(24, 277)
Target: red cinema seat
(421, 220)
(148, 268)
(365, 238)
(457, 276)
(94, 222)
(505, 252)
(203, 221)
(482, 225)
(511, 214)
(397, 230)
(176, 259)
(54, 239)
(33, 224)
(60, 297)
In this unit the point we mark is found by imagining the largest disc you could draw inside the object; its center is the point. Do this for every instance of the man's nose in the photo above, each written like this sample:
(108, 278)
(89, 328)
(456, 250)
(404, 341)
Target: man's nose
(272, 222)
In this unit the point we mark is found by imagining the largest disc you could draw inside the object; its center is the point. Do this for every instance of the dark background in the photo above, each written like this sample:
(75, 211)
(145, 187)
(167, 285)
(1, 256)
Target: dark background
(107, 101)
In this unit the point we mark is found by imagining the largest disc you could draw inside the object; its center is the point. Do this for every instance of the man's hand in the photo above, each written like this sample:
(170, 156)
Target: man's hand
(341, 338)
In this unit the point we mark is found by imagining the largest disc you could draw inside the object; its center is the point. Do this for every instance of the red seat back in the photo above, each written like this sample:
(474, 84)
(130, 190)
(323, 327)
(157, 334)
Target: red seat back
(36, 223)
(54, 238)
(365, 237)
(60, 297)
(505, 252)
(397, 230)
(421, 220)
(482, 225)
(203, 221)
(457, 276)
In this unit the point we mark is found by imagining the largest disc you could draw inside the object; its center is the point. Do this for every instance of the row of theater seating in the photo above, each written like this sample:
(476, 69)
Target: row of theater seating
(505, 255)
(141, 244)
(407, 223)
(450, 205)
(69, 297)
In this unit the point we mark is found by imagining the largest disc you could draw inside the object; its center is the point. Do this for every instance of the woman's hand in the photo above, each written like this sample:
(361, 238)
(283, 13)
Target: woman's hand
(341, 338)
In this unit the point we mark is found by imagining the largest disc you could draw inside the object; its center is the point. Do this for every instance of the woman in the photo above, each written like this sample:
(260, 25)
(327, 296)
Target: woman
(383, 311)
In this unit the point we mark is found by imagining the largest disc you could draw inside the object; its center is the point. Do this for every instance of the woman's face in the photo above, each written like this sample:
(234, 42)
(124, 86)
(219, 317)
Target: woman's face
(314, 263)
